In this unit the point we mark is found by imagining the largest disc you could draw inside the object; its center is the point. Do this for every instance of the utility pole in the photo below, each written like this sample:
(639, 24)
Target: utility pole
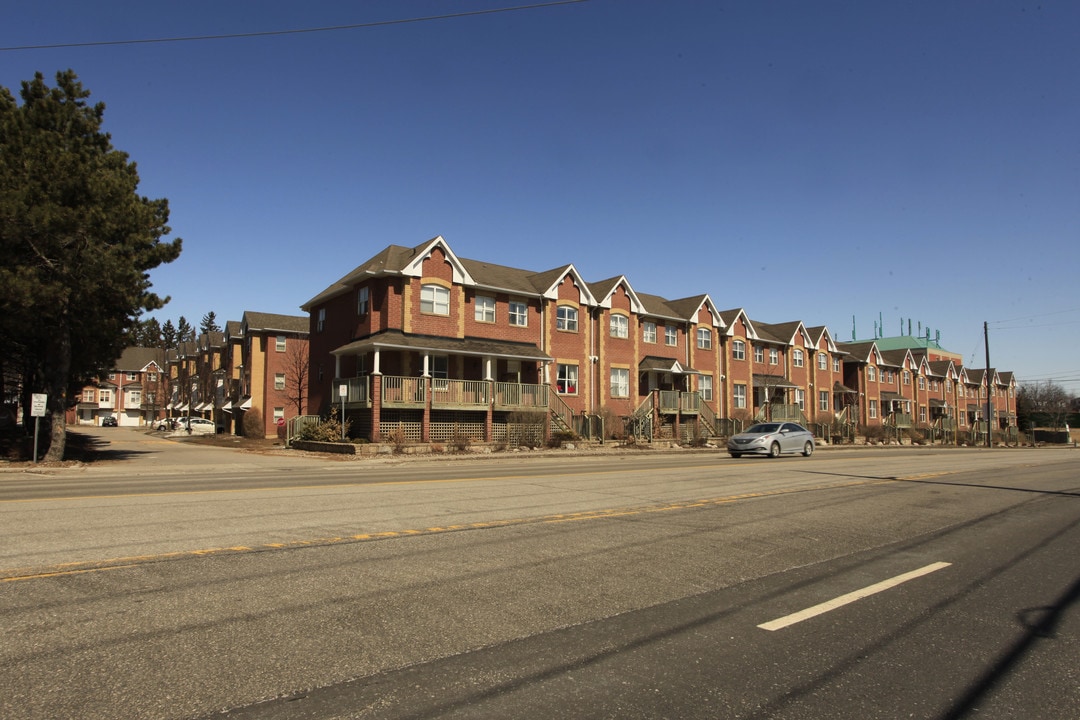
(989, 383)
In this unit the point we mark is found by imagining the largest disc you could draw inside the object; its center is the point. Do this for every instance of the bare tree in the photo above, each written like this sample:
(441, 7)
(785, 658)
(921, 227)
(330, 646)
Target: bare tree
(296, 375)
(1043, 404)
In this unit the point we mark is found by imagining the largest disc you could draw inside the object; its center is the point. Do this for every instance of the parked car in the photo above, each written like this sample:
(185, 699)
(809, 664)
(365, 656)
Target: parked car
(197, 425)
(109, 421)
(167, 424)
(772, 439)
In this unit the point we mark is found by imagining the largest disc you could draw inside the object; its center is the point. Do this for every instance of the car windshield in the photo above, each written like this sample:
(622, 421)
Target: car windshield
(764, 428)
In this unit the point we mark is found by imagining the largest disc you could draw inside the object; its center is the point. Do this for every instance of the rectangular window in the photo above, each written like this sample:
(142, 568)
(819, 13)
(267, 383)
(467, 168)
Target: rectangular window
(485, 309)
(620, 382)
(671, 335)
(823, 400)
(279, 381)
(435, 300)
(922, 383)
(151, 377)
(705, 387)
(131, 377)
(362, 303)
(89, 395)
(321, 322)
(134, 397)
(279, 414)
(922, 413)
(836, 364)
(822, 361)
(797, 357)
(740, 396)
(566, 319)
(648, 333)
(907, 377)
(873, 408)
(774, 356)
(738, 350)
(800, 398)
(566, 383)
(871, 373)
(759, 354)
(105, 396)
(519, 313)
(704, 339)
(279, 343)
(620, 326)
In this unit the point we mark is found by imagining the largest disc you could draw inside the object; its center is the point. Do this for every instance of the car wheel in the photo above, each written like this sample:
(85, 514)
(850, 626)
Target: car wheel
(774, 450)
(808, 449)
(735, 455)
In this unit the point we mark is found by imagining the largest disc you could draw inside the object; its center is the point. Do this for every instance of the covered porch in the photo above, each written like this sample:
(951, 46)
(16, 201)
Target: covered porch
(431, 389)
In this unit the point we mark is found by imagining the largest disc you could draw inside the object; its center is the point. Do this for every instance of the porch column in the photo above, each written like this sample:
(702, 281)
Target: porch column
(337, 366)
(375, 363)
(427, 364)
(489, 415)
(655, 411)
(425, 423)
(376, 401)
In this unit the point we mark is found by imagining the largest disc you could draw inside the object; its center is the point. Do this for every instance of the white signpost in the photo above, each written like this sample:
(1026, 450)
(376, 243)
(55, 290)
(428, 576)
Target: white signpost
(38, 406)
(343, 392)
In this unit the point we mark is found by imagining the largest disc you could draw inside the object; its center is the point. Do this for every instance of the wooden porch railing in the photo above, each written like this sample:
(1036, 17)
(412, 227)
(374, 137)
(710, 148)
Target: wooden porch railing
(406, 392)
(521, 396)
(465, 394)
(357, 390)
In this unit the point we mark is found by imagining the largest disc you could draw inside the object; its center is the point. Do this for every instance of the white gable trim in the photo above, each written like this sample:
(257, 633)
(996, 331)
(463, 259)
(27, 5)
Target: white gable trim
(416, 267)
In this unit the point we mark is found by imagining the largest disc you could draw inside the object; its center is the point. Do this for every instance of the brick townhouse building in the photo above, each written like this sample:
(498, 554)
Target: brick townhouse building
(250, 378)
(134, 391)
(421, 343)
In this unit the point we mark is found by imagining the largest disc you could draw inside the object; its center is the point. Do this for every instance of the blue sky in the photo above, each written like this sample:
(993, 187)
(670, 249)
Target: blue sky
(812, 161)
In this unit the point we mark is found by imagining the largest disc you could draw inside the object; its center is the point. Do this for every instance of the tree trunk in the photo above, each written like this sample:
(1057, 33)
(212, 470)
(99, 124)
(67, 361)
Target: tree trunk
(58, 365)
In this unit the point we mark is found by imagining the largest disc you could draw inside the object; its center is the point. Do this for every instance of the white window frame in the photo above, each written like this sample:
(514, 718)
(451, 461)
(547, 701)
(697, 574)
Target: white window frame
(279, 381)
(280, 343)
(823, 399)
(739, 396)
(519, 313)
(836, 364)
(671, 335)
(434, 299)
(648, 332)
(822, 361)
(871, 373)
(705, 387)
(797, 358)
(620, 382)
(738, 350)
(484, 311)
(566, 318)
(774, 356)
(759, 354)
(872, 411)
(566, 382)
(704, 338)
(619, 326)
(363, 301)
(800, 398)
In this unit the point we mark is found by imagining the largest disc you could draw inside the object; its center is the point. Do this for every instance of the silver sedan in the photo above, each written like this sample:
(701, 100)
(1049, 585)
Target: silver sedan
(772, 439)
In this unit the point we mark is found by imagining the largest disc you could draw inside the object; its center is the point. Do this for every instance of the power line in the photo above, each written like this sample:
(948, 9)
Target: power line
(295, 31)
(1033, 317)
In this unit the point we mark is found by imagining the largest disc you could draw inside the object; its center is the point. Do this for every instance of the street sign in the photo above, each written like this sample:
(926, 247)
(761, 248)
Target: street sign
(37, 404)
(343, 390)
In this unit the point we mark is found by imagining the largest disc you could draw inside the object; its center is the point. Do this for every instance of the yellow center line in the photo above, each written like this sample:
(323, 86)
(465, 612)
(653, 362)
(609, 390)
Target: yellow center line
(80, 567)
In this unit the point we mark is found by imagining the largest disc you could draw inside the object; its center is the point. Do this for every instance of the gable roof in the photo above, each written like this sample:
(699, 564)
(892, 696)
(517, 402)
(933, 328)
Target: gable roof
(269, 322)
(137, 359)
(783, 333)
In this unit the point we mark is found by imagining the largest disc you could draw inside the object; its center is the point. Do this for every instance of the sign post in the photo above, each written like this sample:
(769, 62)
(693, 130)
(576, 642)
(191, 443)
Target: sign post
(38, 403)
(343, 391)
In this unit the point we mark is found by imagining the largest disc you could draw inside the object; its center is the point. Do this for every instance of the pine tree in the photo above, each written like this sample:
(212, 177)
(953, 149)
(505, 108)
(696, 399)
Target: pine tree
(209, 323)
(76, 238)
(168, 335)
(184, 331)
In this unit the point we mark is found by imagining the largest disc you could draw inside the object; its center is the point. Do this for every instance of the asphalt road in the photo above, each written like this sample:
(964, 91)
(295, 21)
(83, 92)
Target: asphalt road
(179, 582)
